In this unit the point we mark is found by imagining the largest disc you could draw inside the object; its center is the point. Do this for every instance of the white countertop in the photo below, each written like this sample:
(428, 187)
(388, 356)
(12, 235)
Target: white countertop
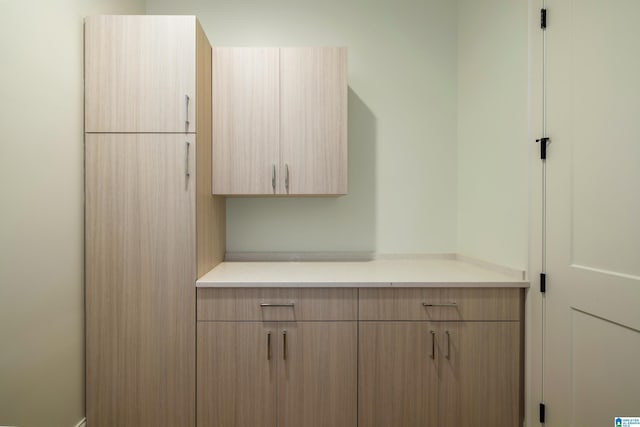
(374, 273)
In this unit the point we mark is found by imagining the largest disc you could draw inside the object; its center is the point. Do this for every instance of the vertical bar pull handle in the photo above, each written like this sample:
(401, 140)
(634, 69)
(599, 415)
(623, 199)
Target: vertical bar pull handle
(186, 159)
(284, 345)
(448, 355)
(273, 177)
(269, 345)
(433, 344)
(186, 112)
(286, 176)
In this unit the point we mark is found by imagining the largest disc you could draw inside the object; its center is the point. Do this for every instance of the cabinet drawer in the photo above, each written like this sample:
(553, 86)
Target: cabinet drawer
(275, 304)
(440, 304)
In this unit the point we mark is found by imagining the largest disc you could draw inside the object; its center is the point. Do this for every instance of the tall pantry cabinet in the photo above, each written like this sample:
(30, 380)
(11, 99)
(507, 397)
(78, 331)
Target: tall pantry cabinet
(152, 226)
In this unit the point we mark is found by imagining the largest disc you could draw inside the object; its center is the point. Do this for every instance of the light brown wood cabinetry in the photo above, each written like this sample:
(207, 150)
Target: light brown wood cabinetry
(237, 374)
(479, 374)
(467, 372)
(140, 73)
(246, 120)
(280, 121)
(398, 377)
(152, 226)
(309, 366)
(317, 379)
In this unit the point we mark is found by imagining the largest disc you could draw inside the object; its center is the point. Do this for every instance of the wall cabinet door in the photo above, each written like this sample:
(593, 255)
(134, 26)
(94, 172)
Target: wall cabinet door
(313, 105)
(139, 71)
(140, 274)
(280, 121)
(246, 121)
(237, 374)
(317, 384)
(398, 377)
(480, 374)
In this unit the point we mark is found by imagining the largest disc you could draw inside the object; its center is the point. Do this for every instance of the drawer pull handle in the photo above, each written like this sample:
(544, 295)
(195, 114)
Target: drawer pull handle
(284, 345)
(445, 304)
(269, 345)
(433, 344)
(448, 355)
(265, 304)
(286, 177)
(186, 113)
(273, 178)
(186, 159)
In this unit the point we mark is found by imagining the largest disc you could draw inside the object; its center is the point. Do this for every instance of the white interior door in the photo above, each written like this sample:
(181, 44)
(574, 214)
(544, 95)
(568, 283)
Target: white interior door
(591, 347)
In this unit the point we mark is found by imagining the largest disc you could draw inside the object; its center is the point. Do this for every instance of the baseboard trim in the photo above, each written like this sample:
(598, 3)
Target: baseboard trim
(82, 423)
(298, 256)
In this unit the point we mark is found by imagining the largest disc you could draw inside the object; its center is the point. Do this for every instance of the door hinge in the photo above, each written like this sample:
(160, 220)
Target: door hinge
(543, 19)
(542, 413)
(543, 282)
(543, 146)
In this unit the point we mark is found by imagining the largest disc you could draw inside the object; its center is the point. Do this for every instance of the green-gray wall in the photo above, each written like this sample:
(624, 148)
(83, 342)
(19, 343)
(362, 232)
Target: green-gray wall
(402, 122)
(41, 213)
(493, 116)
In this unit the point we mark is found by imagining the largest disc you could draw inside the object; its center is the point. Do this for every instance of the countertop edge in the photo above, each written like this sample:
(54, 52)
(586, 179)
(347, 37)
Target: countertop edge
(205, 284)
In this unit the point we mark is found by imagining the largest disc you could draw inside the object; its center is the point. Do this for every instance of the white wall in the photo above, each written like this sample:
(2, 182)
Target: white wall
(402, 122)
(41, 209)
(492, 131)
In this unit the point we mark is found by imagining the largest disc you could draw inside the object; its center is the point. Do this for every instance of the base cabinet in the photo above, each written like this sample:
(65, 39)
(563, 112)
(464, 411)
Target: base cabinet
(296, 367)
(317, 369)
(236, 374)
(463, 373)
(309, 363)
(397, 375)
(479, 374)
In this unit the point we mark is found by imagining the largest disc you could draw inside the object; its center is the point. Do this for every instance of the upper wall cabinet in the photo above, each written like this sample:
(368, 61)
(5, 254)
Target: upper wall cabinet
(140, 73)
(280, 121)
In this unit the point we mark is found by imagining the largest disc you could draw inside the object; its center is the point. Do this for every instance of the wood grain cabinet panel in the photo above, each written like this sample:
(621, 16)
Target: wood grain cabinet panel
(152, 225)
(480, 374)
(280, 121)
(313, 136)
(140, 274)
(246, 120)
(138, 72)
(439, 304)
(299, 304)
(312, 364)
(440, 373)
(397, 375)
(317, 383)
(237, 374)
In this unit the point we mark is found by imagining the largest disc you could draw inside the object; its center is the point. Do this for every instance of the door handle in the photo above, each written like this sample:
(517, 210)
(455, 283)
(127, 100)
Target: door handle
(284, 345)
(448, 355)
(269, 345)
(433, 344)
(273, 178)
(186, 113)
(264, 304)
(186, 159)
(286, 177)
(446, 304)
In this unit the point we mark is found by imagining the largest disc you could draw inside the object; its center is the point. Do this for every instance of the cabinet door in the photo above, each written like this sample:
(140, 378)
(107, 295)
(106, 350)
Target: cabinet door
(236, 374)
(138, 72)
(313, 136)
(140, 275)
(317, 374)
(246, 121)
(480, 374)
(398, 381)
